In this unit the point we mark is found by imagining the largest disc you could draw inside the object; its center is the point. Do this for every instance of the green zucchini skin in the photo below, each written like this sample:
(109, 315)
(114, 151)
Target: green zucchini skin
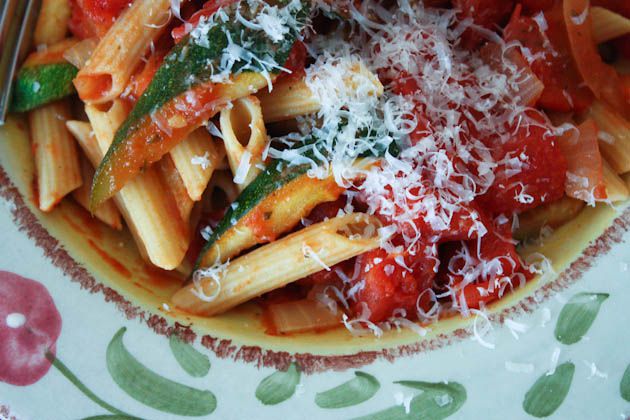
(41, 84)
(275, 176)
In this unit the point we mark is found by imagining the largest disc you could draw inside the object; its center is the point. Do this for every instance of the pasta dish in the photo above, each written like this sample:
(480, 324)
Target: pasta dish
(367, 164)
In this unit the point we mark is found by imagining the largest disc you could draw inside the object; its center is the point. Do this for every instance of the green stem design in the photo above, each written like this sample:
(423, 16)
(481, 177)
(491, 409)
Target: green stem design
(63, 369)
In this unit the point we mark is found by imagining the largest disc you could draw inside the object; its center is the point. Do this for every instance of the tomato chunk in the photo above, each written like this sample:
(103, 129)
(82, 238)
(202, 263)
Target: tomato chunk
(489, 14)
(531, 171)
(389, 286)
(93, 18)
(550, 59)
(502, 269)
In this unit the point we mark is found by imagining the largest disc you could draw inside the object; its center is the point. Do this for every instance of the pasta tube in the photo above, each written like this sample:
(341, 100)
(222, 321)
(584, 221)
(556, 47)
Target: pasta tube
(245, 139)
(56, 157)
(614, 136)
(552, 214)
(616, 188)
(152, 216)
(298, 255)
(176, 187)
(52, 22)
(117, 55)
(302, 315)
(82, 132)
(222, 183)
(608, 25)
(80, 53)
(291, 97)
(107, 213)
(196, 159)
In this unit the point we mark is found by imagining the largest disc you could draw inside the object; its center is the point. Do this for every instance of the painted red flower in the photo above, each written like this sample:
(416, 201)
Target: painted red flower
(29, 327)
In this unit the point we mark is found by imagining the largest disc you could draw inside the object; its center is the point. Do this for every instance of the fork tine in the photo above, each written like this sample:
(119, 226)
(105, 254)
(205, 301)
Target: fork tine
(7, 7)
(18, 18)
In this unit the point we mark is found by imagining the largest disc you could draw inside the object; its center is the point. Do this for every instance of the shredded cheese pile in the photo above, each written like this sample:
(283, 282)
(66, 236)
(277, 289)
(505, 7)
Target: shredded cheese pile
(465, 99)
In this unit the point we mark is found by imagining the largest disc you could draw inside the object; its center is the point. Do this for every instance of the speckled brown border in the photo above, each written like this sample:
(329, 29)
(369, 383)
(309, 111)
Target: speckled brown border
(309, 363)
(5, 413)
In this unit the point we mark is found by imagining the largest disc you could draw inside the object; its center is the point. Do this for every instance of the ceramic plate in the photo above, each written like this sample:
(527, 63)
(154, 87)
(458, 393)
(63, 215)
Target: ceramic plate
(85, 332)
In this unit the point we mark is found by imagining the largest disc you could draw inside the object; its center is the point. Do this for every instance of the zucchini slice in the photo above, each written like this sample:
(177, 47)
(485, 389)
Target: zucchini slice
(44, 77)
(272, 204)
(41, 84)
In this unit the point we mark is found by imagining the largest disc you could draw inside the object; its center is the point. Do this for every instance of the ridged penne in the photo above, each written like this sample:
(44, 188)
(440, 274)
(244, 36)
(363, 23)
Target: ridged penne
(312, 249)
(118, 53)
(52, 22)
(196, 158)
(616, 188)
(176, 187)
(107, 213)
(56, 157)
(614, 136)
(222, 182)
(289, 98)
(152, 216)
(82, 131)
(608, 25)
(245, 139)
(552, 214)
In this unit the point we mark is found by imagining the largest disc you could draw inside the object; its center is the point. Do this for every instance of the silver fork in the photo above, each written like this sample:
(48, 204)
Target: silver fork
(17, 21)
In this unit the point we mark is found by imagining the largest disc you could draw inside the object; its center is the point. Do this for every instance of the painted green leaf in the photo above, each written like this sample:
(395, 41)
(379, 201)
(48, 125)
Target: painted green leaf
(279, 386)
(152, 389)
(624, 386)
(437, 401)
(355, 391)
(111, 417)
(195, 363)
(577, 316)
(549, 391)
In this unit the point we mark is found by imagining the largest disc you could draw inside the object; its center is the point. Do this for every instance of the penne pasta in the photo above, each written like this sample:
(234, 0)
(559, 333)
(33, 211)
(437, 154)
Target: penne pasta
(291, 97)
(152, 216)
(80, 53)
(82, 132)
(245, 139)
(608, 25)
(221, 189)
(119, 52)
(552, 214)
(56, 157)
(176, 187)
(614, 136)
(312, 249)
(196, 159)
(52, 22)
(51, 54)
(107, 213)
(616, 188)
(302, 315)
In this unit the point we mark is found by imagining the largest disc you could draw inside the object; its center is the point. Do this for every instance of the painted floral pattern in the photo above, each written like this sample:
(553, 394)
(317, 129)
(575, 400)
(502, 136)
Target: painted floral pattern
(29, 327)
